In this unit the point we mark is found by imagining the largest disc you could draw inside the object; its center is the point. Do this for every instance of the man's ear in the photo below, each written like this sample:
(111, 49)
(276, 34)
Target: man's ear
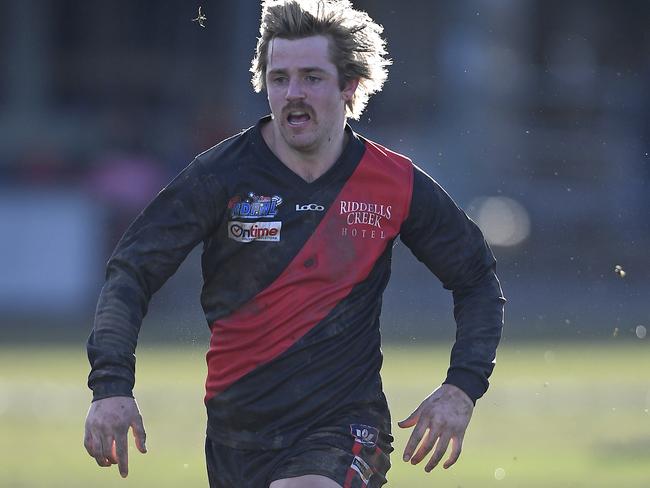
(349, 88)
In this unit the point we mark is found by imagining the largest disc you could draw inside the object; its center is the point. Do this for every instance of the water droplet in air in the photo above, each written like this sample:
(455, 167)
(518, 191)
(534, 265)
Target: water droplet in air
(499, 473)
(641, 331)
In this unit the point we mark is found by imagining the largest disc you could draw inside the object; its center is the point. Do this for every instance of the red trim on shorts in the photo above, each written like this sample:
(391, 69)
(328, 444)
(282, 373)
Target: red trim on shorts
(348, 478)
(356, 449)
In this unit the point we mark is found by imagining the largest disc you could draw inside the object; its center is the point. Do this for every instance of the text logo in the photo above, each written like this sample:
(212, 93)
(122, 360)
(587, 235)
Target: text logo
(254, 206)
(364, 219)
(309, 207)
(254, 231)
(365, 213)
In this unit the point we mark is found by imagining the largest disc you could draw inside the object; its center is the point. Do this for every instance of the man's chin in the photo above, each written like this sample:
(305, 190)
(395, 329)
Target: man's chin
(300, 142)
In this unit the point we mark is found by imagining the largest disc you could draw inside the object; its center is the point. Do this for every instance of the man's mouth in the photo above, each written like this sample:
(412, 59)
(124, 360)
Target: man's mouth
(297, 117)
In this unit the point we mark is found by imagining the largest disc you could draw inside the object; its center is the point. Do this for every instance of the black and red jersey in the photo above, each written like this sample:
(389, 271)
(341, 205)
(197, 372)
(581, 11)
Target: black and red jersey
(293, 279)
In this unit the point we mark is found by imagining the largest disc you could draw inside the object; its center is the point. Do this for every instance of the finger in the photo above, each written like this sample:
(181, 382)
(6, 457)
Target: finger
(441, 447)
(107, 449)
(140, 435)
(414, 440)
(456, 448)
(428, 441)
(122, 454)
(88, 443)
(102, 461)
(99, 456)
(411, 420)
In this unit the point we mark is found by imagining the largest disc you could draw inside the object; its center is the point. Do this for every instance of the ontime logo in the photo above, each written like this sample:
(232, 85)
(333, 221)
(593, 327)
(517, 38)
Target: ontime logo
(254, 231)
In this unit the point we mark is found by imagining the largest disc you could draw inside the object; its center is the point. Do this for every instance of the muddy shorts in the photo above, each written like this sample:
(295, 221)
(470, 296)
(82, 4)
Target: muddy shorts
(355, 456)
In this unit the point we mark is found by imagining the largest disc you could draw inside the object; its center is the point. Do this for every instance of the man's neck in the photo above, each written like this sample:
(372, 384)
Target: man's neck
(309, 165)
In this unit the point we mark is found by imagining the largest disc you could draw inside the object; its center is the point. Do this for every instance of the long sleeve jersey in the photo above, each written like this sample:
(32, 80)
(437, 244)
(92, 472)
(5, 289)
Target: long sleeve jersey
(293, 276)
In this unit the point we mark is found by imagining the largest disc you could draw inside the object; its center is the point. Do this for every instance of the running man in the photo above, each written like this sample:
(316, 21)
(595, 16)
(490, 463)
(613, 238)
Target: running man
(297, 217)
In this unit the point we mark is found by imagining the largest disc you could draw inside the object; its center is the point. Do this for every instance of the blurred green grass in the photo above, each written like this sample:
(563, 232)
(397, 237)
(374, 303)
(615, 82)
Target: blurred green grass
(572, 415)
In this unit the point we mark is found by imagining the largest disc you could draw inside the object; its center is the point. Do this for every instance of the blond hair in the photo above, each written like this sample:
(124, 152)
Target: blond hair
(356, 47)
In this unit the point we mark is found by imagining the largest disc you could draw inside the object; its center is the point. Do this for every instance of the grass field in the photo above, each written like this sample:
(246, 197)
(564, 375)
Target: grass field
(556, 416)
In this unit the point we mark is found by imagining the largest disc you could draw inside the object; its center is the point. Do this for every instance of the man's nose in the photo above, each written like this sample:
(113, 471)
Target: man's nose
(294, 90)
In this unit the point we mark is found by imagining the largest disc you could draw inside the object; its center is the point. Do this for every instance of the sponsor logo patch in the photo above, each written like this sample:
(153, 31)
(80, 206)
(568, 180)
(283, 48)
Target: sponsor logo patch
(362, 467)
(365, 434)
(254, 206)
(309, 207)
(254, 231)
(364, 219)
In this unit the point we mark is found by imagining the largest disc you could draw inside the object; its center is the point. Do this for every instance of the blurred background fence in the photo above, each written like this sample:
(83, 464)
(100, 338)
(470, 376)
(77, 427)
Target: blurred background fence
(533, 114)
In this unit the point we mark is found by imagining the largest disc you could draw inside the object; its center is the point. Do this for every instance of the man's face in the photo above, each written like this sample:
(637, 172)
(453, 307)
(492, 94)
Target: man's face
(307, 104)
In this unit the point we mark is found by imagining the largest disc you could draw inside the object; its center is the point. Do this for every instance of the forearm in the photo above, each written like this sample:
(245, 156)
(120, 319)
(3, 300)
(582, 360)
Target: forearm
(111, 346)
(478, 311)
(153, 247)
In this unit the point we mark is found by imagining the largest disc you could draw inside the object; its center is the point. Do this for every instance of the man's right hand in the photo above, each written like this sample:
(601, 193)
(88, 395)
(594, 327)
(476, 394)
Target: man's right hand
(107, 426)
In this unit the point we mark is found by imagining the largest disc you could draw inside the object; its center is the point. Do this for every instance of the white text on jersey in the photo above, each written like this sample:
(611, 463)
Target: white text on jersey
(313, 207)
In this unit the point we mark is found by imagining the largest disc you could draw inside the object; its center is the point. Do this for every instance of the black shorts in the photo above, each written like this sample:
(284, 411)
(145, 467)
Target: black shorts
(355, 456)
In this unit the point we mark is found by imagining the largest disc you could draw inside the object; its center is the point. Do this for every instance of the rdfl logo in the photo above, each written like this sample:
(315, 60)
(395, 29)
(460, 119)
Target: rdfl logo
(313, 207)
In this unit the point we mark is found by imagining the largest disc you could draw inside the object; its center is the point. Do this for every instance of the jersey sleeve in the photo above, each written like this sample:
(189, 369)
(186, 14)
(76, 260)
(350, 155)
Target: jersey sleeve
(441, 236)
(182, 215)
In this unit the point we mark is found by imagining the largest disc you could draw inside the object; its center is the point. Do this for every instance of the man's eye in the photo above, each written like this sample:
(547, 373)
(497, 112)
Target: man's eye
(312, 79)
(279, 80)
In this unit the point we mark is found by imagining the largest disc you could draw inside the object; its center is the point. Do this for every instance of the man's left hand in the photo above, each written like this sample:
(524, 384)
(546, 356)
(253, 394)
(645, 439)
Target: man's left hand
(443, 417)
